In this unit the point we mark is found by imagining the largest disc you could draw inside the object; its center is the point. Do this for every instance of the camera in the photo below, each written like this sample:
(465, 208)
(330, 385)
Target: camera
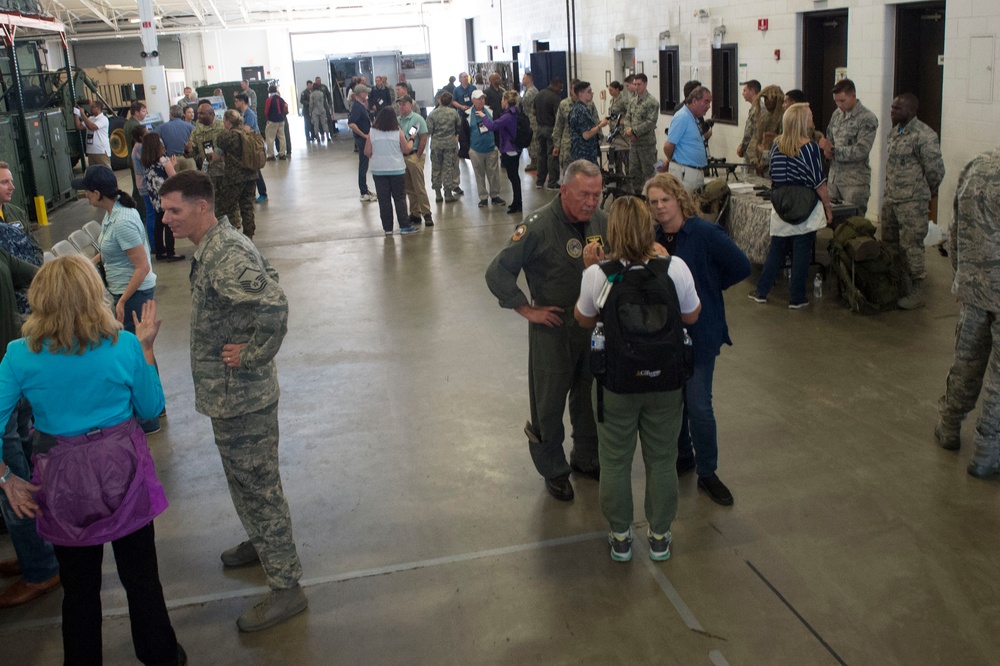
(708, 122)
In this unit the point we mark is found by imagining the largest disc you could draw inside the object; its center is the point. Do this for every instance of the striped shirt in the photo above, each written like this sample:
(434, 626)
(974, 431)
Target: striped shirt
(806, 169)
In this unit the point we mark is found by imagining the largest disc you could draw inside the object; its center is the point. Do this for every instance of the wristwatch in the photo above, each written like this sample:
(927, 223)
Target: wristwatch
(5, 477)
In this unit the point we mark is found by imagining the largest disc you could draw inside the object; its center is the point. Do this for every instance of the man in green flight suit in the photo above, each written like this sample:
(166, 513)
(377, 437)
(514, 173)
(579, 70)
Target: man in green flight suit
(553, 246)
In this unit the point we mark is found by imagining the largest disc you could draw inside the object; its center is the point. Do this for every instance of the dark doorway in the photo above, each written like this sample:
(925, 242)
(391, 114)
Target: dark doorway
(919, 47)
(515, 55)
(824, 49)
(541, 46)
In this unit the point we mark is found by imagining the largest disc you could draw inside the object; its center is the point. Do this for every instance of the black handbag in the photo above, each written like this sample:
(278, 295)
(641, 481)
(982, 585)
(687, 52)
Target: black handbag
(794, 203)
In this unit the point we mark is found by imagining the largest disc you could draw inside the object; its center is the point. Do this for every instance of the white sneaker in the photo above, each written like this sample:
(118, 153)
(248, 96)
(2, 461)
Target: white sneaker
(372, 196)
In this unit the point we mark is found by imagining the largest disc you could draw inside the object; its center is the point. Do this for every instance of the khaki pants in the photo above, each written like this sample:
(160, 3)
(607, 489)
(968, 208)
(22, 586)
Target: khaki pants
(485, 167)
(416, 188)
(275, 130)
(98, 158)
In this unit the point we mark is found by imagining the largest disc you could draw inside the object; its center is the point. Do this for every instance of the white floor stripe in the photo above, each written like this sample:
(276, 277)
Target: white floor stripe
(668, 589)
(717, 659)
(335, 578)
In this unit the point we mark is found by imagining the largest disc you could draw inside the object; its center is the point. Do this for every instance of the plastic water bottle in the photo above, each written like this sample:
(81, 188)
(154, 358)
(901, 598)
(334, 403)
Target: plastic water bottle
(818, 286)
(597, 338)
(597, 349)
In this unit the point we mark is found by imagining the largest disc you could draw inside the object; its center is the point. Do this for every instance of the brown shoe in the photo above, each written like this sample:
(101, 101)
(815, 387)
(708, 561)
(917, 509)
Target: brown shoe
(10, 568)
(21, 592)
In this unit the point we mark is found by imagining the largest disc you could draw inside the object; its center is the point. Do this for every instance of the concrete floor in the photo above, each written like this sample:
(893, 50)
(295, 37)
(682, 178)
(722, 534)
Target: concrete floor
(427, 536)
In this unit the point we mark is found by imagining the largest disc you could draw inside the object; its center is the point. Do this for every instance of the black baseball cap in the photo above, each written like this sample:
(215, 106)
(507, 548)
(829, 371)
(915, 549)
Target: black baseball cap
(98, 178)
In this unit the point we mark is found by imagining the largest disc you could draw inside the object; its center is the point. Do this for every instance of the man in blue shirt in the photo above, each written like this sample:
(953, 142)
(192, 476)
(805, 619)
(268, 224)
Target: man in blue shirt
(685, 148)
(175, 133)
(462, 100)
(250, 120)
(360, 123)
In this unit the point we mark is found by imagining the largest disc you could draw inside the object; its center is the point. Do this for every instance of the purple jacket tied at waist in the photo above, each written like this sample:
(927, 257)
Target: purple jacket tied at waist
(97, 487)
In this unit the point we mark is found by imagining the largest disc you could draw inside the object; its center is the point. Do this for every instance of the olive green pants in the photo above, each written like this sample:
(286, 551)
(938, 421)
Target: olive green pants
(559, 368)
(656, 419)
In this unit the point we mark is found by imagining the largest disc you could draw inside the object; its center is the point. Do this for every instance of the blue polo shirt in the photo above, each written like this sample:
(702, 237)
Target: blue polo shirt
(250, 120)
(175, 134)
(359, 116)
(689, 147)
(463, 96)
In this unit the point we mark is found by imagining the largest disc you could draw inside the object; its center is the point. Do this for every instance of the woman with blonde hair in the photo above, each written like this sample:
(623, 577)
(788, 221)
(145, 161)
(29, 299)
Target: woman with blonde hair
(510, 154)
(654, 416)
(716, 264)
(93, 480)
(797, 164)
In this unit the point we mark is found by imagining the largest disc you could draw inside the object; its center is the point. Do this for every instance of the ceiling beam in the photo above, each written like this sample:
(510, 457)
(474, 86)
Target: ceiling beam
(199, 14)
(100, 14)
(218, 14)
(243, 10)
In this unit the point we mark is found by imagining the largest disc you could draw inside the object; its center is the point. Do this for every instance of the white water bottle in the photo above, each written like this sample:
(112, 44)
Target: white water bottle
(818, 286)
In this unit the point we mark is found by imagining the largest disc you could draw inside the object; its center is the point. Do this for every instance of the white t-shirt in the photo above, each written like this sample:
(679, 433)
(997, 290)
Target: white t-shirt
(594, 280)
(97, 141)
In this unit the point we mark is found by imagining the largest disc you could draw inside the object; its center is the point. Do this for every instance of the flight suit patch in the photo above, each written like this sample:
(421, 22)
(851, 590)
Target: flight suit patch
(595, 239)
(574, 247)
(519, 232)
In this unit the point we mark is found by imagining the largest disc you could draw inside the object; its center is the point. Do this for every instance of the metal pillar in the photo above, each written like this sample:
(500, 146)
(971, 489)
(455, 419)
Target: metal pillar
(71, 82)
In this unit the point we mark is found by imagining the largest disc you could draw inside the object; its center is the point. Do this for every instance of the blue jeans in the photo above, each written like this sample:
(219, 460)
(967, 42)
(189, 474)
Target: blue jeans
(36, 557)
(801, 248)
(359, 143)
(134, 304)
(150, 222)
(699, 435)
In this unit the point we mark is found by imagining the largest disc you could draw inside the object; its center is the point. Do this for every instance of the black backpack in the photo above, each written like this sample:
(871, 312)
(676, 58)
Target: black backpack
(646, 347)
(524, 134)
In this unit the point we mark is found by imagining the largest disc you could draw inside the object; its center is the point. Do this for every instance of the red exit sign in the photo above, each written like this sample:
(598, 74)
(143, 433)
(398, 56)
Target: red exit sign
(762, 25)
(147, 24)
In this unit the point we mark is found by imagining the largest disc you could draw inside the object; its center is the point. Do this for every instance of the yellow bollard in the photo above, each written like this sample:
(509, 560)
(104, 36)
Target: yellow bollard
(40, 212)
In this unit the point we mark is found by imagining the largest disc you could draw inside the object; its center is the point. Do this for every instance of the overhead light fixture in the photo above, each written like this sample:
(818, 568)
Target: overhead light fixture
(139, 20)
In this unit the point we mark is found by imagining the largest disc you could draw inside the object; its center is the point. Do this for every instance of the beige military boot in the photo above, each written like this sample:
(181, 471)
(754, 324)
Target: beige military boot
(914, 299)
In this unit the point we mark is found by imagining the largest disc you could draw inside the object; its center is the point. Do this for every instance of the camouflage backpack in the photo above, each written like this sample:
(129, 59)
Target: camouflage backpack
(870, 277)
(712, 198)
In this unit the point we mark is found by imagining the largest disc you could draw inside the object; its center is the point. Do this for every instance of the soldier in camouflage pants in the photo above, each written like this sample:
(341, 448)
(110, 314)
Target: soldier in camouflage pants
(913, 172)
(640, 129)
(236, 187)
(975, 257)
(444, 125)
(849, 139)
(239, 318)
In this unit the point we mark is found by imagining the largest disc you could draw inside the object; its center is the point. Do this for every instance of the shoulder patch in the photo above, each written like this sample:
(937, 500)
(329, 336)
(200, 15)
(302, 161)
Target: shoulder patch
(252, 280)
(519, 232)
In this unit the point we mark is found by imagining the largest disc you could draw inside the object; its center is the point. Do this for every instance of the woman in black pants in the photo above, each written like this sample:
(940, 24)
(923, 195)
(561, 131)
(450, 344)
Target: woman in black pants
(158, 168)
(510, 154)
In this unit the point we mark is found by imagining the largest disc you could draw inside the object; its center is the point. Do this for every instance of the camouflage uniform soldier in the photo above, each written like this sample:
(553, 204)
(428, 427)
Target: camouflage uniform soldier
(239, 318)
(203, 146)
(319, 112)
(444, 125)
(913, 172)
(527, 105)
(235, 196)
(746, 149)
(849, 140)
(975, 257)
(767, 126)
(640, 128)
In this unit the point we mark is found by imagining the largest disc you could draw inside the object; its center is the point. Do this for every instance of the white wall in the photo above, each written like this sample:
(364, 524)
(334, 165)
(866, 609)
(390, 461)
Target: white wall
(967, 129)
